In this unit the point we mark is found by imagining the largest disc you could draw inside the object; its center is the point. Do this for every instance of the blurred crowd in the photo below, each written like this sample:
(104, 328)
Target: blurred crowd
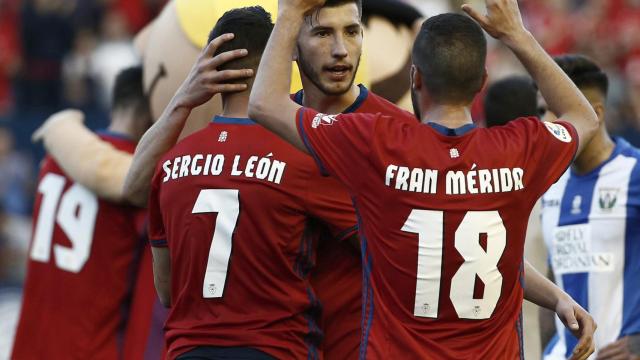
(56, 54)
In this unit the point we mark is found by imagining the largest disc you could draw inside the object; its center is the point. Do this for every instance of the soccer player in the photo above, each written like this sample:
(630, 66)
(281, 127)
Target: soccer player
(590, 219)
(228, 209)
(83, 252)
(441, 203)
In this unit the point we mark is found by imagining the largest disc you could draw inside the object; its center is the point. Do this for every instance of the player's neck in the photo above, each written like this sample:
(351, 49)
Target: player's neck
(329, 104)
(597, 151)
(236, 105)
(449, 116)
(125, 123)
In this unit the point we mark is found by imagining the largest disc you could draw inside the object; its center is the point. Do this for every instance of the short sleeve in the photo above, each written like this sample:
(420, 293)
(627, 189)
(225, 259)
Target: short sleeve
(328, 201)
(340, 144)
(157, 235)
(553, 146)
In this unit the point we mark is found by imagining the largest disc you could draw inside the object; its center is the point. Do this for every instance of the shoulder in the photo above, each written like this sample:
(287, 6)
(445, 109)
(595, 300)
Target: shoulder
(376, 103)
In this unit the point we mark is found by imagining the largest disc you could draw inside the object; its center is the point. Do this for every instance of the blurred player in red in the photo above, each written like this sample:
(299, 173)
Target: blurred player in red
(441, 203)
(83, 252)
(229, 209)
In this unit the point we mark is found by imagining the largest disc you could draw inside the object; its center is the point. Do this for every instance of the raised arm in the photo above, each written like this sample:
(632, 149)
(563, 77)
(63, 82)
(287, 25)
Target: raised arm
(86, 158)
(202, 83)
(270, 104)
(503, 22)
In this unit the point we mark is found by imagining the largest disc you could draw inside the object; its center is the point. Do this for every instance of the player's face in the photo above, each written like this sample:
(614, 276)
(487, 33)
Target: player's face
(329, 48)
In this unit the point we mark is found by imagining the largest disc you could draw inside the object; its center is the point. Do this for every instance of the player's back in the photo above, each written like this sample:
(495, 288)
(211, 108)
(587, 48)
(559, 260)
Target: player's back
(443, 218)
(233, 202)
(444, 229)
(81, 259)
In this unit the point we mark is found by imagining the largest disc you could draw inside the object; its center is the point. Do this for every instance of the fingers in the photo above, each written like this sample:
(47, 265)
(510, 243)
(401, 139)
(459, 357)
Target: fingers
(475, 15)
(613, 351)
(227, 88)
(585, 330)
(215, 44)
(227, 56)
(230, 75)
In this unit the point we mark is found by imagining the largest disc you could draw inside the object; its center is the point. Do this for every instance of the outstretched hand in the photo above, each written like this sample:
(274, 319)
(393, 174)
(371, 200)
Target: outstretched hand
(502, 18)
(205, 80)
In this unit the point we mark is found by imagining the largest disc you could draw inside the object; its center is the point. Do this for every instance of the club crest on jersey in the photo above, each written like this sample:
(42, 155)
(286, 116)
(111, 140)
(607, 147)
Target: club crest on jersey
(576, 205)
(323, 119)
(560, 132)
(608, 197)
(223, 136)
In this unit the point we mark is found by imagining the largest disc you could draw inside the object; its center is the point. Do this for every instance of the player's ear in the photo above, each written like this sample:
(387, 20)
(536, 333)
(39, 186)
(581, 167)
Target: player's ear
(598, 107)
(416, 78)
(485, 80)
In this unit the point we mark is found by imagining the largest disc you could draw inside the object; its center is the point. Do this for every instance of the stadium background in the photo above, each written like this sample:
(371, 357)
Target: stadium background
(56, 54)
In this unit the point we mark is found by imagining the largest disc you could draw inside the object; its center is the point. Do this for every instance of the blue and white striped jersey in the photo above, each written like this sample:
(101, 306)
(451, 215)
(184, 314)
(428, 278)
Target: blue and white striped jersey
(591, 227)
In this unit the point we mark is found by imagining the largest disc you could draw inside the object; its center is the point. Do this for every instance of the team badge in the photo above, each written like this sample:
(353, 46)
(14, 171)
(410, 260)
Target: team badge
(560, 132)
(323, 119)
(223, 136)
(608, 197)
(454, 153)
(576, 205)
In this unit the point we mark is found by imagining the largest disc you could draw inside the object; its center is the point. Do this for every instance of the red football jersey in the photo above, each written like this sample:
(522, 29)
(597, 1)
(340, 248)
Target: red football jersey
(443, 217)
(79, 274)
(144, 337)
(337, 278)
(232, 203)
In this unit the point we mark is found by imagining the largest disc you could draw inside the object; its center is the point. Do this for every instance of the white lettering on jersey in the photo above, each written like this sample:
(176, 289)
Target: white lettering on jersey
(560, 132)
(458, 182)
(262, 168)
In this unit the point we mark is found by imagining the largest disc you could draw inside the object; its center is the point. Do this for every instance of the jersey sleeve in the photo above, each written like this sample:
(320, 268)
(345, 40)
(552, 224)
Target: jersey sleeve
(328, 201)
(552, 147)
(339, 144)
(157, 235)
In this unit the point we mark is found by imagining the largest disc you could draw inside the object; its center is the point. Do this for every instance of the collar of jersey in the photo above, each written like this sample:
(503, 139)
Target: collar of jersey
(452, 132)
(618, 147)
(232, 121)
(114, 135)
(364, 93)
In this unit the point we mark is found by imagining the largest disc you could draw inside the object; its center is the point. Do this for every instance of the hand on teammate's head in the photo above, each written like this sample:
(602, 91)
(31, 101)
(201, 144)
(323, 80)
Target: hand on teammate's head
(501, 19)
(205, 80)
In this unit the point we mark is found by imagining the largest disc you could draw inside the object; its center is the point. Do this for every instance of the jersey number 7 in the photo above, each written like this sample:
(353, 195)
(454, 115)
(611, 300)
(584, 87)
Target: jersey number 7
(225, 202)
(429, 225)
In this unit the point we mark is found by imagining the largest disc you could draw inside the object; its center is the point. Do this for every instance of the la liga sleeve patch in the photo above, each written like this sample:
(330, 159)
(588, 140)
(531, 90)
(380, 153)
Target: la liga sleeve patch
(558, 131)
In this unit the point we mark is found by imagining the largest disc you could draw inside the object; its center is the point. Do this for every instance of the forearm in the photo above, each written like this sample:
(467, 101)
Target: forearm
(561, 94)
(156, 142)
(269, 103)
(87, 159)
(540, 290)
(162, 274)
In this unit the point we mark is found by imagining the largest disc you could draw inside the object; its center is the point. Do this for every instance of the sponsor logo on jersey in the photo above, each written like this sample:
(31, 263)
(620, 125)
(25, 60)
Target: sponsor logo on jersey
(571, 251)
(608, 197)
(323, 119)
(560, 132)
(550, 202)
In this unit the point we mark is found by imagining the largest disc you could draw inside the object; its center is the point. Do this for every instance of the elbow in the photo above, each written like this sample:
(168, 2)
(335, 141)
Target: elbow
(256, 109)
(133, 194)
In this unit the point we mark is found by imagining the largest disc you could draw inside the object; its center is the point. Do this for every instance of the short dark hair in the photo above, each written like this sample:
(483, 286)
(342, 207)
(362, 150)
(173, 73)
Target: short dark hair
(584, 72)
(128, 91)
(252, 27)
(334, 3)
(509, 99)
(450, 51)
